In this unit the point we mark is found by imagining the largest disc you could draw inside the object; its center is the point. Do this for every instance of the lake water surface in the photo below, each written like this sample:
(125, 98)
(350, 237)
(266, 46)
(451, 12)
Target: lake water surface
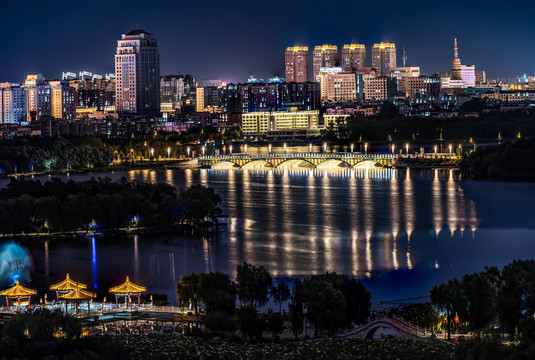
(399, 231)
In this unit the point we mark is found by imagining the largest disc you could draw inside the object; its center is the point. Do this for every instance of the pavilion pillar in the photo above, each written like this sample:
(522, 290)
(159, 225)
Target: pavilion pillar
(29, 302)
(116, 301)
(7, 302)
(139, 299)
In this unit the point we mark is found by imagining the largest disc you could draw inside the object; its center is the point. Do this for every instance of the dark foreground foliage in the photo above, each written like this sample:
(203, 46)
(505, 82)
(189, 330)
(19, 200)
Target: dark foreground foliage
(180, 347)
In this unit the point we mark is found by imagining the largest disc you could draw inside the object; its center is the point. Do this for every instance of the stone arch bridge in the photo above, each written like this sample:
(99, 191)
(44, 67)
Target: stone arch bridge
(392, 326)
(294, 161)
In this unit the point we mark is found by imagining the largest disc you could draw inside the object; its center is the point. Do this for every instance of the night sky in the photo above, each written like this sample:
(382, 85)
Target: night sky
(234, 39)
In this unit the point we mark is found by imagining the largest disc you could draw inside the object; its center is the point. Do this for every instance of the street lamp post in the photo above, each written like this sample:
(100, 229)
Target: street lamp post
(151, 152)
(285, 148)
(269, 148)
(407, 149)
(366, 149)
(310, 148)
(450, 149)
(352, 146)
(230, 149)
(188, 150)
(168, 153)
(325, 147)
(435, 149)
(245, 148)
(203, 149)
(393, 149)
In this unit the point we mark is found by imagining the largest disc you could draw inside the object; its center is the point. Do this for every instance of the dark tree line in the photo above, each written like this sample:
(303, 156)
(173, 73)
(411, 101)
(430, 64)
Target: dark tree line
(329, 301)
(29, 206)
(511, 162)
(389, 125)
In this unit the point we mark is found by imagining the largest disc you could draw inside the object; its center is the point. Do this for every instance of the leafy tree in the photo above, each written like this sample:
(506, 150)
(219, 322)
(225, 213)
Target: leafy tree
(275, 324)
(445, 298)
(297, 316)
(481, 295)
(250, 324)
(325, 305)
(253, 284)
(217, 292)
(188, 291)
(280, 294)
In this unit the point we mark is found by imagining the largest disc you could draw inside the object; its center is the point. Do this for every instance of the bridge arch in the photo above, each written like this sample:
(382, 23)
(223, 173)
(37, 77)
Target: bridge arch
(296, 163)
(255, 164)
(381, 330)
(225, 164)
(366, 163)
(333, 164)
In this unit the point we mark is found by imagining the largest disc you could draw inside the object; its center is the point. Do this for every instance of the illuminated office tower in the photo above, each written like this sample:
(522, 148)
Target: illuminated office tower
(353, 57)
(296, 59)
(384, 58)
(137, 74)
(324, 56)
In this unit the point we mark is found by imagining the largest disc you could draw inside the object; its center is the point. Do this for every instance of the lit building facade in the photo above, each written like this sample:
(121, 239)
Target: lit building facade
(401, 74)
(353, 57)
(462, 76)
(340, 86)
(384, 58)
(12, 103)
(64, 99)
(379, 88)
(324, 56)
(296, 61)
(422, 86)
(261, 123)
(137, 74)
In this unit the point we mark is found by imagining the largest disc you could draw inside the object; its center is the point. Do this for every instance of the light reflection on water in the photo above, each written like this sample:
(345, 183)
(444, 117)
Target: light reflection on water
(399, 230)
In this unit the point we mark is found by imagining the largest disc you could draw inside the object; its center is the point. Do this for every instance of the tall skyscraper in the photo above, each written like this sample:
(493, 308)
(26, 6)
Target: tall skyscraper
(324, 56)
(137, 74)
(456, 68)
(353, 57)
(384, 58)
(296, 59)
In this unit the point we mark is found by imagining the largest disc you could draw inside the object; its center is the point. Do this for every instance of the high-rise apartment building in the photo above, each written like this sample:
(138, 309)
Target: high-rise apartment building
(384, 58)
(353, 57)
(64, 99)
(13, 103)
(296, 59)
(137, 74)
(323, 56)
(340, 86)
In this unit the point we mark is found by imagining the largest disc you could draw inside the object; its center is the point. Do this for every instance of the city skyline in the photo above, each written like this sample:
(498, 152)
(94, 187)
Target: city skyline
(212, 44)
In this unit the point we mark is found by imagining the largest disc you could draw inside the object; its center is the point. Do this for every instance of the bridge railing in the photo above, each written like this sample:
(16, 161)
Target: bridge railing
(299, 155)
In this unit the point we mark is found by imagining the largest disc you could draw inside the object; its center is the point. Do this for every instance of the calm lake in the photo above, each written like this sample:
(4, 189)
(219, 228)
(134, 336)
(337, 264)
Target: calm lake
(399, 231)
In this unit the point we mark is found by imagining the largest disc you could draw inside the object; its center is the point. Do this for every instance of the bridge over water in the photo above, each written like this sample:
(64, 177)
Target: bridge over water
(392, 326)
(294, 161)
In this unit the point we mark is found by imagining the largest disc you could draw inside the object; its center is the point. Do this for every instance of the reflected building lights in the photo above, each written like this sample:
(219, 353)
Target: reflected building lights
(408, 191)
(136, 256)
(94, 262)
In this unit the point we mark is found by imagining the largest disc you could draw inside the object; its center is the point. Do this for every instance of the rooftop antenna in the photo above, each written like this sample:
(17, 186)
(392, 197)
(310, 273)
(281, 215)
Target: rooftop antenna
(137, 26)
(455, 50)
(404, 57)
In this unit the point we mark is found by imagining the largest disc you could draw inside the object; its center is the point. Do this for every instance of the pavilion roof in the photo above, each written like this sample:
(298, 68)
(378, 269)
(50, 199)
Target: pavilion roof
(128, 287)
(67, 284)
(18, 290)
(78, 294)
